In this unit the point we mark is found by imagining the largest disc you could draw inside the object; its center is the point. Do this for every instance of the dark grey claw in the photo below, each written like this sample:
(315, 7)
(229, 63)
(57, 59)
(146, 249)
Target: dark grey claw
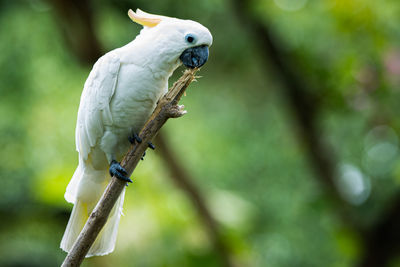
(134, 138)
(151, 145)
(119, 172)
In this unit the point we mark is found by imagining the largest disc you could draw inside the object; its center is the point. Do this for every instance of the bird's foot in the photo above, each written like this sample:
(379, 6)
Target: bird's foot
(150, 144)
(134, 138)
(119, 172)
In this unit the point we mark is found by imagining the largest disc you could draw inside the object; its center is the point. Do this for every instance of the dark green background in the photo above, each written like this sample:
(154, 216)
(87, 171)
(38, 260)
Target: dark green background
(294, 145)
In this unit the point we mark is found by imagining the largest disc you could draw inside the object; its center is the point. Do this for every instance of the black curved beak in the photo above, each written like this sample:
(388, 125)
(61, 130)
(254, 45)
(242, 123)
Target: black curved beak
(195, 57)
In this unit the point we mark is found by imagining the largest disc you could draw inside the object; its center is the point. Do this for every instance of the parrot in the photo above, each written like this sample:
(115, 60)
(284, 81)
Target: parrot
(119, 95)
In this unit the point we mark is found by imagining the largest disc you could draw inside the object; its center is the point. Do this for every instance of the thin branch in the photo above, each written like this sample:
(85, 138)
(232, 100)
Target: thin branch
(166, 108)
(69, 15)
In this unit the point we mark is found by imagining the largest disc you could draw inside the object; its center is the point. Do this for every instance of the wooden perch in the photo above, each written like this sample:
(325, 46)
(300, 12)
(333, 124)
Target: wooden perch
(166, 108)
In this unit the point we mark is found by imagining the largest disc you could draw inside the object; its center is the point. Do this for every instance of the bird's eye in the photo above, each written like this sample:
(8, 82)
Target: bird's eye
(190, 38)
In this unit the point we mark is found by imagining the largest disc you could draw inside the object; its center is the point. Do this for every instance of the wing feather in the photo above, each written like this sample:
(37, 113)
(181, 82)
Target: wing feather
(94, 109)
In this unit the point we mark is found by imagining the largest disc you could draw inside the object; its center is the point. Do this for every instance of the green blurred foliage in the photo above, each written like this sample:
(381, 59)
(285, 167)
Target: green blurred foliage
(238, 139)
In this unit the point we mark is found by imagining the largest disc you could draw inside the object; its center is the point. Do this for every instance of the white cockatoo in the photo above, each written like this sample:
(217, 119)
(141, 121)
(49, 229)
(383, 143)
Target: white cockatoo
(119, 95)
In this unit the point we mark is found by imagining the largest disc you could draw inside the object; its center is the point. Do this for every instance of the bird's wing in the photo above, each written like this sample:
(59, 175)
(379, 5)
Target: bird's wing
(94, 110)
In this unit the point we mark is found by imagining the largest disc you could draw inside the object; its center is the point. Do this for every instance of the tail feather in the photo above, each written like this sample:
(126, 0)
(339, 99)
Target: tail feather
(72, 188)
(76, 222)
(105, 242)
(82, 185)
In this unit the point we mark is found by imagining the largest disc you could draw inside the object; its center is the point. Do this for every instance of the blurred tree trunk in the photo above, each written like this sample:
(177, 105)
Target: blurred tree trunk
(183, 180)
(381, 242)
(76, 21)
(301, 102)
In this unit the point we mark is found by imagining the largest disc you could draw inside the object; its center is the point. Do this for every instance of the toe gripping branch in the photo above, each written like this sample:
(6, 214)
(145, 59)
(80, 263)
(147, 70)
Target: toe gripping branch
(135, 138)
(150, 144)
(118, 171)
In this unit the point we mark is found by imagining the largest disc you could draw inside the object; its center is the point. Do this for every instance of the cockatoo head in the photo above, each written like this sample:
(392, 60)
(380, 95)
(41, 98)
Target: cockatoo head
(184, 40)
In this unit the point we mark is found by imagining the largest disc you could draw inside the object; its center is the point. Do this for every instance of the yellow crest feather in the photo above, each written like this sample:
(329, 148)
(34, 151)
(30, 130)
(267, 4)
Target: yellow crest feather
(142, 19)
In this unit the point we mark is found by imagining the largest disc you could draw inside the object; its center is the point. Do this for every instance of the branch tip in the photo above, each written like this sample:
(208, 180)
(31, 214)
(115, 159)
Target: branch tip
(176, 111)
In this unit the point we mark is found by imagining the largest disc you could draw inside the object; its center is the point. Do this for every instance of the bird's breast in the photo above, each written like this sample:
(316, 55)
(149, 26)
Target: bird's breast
(135, 97)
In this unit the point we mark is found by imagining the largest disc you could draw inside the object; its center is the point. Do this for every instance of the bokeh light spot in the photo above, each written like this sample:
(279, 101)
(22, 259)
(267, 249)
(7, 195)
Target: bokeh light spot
(353, 185)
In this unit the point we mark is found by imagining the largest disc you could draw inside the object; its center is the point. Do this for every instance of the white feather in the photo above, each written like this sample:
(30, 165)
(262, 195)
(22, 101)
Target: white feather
(119, 95)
